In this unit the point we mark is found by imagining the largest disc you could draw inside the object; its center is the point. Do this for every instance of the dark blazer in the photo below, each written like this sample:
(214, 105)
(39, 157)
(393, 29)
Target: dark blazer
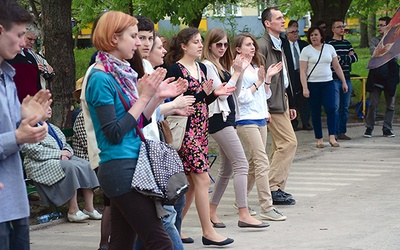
(289, 58)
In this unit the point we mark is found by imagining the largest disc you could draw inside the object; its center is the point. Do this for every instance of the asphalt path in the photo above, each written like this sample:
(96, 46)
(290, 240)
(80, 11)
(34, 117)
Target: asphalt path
(347, 198)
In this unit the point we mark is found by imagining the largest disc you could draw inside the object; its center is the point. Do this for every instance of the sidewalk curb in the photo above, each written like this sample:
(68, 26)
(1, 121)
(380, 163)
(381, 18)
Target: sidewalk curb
(47, 225)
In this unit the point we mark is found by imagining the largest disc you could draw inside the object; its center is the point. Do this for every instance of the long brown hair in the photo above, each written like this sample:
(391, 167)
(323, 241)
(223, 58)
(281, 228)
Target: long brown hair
(238, 42)
(214, 35)
(175, 52)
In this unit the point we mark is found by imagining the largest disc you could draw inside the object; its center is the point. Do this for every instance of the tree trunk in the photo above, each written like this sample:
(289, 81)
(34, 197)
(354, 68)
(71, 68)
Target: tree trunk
(363, 32)
(327, 10)
(371, 25)
(60, 55)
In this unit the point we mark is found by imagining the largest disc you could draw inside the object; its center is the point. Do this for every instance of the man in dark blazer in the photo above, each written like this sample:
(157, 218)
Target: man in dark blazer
(292, 45)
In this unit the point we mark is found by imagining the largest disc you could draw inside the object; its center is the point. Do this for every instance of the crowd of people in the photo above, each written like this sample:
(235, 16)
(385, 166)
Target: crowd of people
(236, 91)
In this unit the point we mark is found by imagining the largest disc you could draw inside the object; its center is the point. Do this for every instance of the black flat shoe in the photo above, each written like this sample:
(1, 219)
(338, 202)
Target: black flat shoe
(244, 224)
(187, 240)
(218, 224)
(208, 242)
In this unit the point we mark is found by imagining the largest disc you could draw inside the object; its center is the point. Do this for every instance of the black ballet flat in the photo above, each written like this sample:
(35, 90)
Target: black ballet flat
(208, 242)
(218, 224)
(187, 240)
(243, 224)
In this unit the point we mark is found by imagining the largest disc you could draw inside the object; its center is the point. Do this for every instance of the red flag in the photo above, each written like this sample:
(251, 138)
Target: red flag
(389, 46)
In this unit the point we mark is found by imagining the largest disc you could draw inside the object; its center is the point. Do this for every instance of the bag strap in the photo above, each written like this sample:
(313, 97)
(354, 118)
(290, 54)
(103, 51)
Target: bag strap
(121, 97)
(126, 106)
(315, 65)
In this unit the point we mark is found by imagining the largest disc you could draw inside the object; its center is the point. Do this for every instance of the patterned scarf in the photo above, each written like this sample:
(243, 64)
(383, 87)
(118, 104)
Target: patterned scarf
(122, 72)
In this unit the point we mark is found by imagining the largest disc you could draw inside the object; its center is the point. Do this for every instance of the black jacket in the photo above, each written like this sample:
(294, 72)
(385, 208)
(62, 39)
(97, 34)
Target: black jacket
(386, 75)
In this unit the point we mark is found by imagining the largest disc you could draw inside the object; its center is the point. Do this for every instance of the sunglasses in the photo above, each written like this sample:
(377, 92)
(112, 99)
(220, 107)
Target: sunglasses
(219, 45)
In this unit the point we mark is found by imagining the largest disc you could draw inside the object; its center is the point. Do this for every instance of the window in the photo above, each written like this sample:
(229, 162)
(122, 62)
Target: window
(226, 10)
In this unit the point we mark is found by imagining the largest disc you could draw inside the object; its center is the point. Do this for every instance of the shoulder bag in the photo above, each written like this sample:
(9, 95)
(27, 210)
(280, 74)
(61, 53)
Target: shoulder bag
(177, 124)
(315, 65)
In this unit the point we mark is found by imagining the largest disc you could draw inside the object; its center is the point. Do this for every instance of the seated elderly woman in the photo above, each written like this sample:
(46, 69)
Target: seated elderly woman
(58, 174)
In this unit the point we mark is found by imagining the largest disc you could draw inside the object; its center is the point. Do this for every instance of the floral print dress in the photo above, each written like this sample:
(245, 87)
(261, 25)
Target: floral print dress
(194, 148)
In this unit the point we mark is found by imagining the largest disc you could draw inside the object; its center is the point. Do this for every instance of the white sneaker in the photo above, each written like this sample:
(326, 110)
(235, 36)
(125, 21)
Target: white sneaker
(78, 217)
(251, 211)
(94, 215)
(273, 214)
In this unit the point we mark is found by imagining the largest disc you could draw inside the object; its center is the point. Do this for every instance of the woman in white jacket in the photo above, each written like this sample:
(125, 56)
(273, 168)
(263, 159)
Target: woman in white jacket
(218, 59)
(251, 121)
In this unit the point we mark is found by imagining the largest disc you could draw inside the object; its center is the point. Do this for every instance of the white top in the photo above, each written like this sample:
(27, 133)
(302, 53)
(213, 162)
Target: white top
(220, 105)
(322, 72)
(252, 106)
(278, 45)
(151, 130)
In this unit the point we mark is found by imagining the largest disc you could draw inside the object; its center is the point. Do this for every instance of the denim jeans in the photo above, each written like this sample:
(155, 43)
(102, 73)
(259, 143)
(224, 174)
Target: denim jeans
(169, 226)
(14, 235)
(179, 205)
(343, 101)
(323, 94)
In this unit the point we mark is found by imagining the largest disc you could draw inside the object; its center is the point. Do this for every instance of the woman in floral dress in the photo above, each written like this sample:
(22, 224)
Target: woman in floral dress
(185, 48)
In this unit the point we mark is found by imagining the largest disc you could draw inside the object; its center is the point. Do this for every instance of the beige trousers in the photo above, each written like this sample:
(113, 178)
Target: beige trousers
(254, 141)
(283, 149)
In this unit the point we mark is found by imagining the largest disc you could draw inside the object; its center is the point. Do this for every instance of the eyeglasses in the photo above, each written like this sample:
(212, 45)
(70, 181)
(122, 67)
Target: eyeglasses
(381, 25)
(340, 27)
(31, 39)
(294, 32)
(219, 45)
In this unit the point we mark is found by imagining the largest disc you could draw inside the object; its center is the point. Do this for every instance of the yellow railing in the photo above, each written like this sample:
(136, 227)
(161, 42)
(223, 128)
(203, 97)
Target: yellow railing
(363, 98)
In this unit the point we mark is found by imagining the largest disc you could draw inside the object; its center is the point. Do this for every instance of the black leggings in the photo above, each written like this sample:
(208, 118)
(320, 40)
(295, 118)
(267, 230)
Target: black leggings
(132, 215)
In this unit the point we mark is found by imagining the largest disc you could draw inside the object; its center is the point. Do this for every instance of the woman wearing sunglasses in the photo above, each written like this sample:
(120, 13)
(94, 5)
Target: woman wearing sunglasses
(219, 60)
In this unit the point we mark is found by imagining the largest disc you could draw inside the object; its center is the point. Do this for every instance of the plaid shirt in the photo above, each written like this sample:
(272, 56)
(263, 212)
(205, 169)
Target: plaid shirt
(80, 144)
(42, 160)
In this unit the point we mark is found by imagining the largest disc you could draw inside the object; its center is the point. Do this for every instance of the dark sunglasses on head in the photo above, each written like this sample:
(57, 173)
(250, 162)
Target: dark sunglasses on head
(219, 45)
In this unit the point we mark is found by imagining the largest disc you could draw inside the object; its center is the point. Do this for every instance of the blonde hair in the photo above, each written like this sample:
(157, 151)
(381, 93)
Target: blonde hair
(214, 35)
(110, 23)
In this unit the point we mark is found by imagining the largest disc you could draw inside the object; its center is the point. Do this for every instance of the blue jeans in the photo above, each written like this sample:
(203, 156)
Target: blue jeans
(323, 94)
(179, 205)
(169, 226)
(343, 100)
(14, 235)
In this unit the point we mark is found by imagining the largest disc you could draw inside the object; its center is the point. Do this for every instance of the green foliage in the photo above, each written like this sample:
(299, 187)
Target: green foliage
(82, 59)
(294, 9)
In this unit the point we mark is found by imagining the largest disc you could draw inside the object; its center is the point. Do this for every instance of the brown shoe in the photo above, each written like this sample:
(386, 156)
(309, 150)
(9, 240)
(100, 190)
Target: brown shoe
(343, 137)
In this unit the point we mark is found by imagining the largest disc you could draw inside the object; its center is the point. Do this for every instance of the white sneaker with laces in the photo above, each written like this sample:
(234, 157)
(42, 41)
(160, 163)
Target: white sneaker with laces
(273, 215)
